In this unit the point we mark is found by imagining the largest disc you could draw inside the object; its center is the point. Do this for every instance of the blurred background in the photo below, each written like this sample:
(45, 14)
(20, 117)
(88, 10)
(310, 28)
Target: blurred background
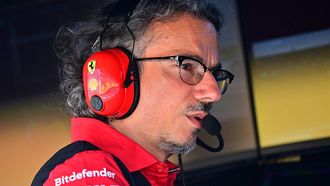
(275, 116)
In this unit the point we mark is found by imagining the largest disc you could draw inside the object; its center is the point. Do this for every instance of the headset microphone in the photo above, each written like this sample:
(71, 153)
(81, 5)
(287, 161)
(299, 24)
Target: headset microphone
(213, 127)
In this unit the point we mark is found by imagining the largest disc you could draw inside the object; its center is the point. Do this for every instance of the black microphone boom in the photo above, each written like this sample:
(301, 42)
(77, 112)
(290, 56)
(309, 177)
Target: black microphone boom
(213, 127)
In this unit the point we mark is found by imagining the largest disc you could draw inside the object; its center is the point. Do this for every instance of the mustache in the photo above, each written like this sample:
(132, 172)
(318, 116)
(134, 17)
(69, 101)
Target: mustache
(199, 107)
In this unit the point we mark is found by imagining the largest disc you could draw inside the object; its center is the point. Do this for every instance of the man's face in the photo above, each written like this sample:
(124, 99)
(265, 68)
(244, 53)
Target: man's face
(169, 110)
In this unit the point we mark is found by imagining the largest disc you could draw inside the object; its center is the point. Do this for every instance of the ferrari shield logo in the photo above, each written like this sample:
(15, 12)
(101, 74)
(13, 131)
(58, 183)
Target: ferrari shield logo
(91, 66)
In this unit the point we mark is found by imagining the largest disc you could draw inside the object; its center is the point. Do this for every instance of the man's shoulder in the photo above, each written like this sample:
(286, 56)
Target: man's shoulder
(82, 164)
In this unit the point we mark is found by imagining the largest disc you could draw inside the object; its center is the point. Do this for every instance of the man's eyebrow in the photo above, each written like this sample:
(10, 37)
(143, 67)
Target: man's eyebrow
(199, 58)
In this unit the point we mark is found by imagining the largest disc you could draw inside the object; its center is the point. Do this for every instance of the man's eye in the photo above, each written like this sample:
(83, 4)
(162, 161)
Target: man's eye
(186, 66)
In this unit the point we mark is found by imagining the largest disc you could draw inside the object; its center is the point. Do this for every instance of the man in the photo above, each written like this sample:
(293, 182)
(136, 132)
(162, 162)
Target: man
(175, 46)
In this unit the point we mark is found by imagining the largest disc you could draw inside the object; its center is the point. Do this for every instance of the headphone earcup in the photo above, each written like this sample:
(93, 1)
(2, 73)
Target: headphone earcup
(104, 73)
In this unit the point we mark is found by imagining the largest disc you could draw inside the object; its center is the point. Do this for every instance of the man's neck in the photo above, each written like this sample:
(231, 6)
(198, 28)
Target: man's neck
(130, 130)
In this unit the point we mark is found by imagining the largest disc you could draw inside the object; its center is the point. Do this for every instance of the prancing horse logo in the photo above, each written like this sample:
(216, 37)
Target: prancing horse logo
(91, 66)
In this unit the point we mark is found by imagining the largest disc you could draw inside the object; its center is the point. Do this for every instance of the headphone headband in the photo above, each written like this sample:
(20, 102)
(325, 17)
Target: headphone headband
(120, 9)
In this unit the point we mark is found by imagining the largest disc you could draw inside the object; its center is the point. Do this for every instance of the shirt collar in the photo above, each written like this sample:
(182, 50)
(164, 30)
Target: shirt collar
(102, 135)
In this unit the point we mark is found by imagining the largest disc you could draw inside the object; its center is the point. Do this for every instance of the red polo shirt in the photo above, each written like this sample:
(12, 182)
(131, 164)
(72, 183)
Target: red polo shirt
(98, 168)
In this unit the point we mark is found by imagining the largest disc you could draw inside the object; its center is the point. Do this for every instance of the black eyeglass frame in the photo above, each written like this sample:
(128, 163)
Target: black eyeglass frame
(180, 58)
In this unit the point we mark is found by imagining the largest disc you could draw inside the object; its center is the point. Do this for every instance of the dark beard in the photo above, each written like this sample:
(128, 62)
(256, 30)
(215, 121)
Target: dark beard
(175, 148)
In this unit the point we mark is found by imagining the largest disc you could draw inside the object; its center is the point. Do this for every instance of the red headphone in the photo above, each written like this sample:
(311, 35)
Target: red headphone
(109, 73)
(108, 87)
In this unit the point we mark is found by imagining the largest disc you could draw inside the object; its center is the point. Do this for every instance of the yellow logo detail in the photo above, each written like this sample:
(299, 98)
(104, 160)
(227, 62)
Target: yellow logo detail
(91, 66)
(108, 85)
(92, 84)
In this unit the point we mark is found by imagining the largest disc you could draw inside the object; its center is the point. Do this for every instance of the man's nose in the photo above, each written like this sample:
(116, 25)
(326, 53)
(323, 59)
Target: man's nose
(207, 90)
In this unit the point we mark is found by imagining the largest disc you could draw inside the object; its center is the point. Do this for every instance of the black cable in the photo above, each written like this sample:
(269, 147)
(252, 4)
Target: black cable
(181, 169)
(209, 148)
(128, 79)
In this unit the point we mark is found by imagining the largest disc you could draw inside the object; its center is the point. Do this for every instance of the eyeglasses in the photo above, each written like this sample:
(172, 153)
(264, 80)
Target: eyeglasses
(192, 71)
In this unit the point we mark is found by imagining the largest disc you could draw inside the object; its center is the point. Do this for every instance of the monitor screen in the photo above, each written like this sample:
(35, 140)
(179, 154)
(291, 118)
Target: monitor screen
(289, 60)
